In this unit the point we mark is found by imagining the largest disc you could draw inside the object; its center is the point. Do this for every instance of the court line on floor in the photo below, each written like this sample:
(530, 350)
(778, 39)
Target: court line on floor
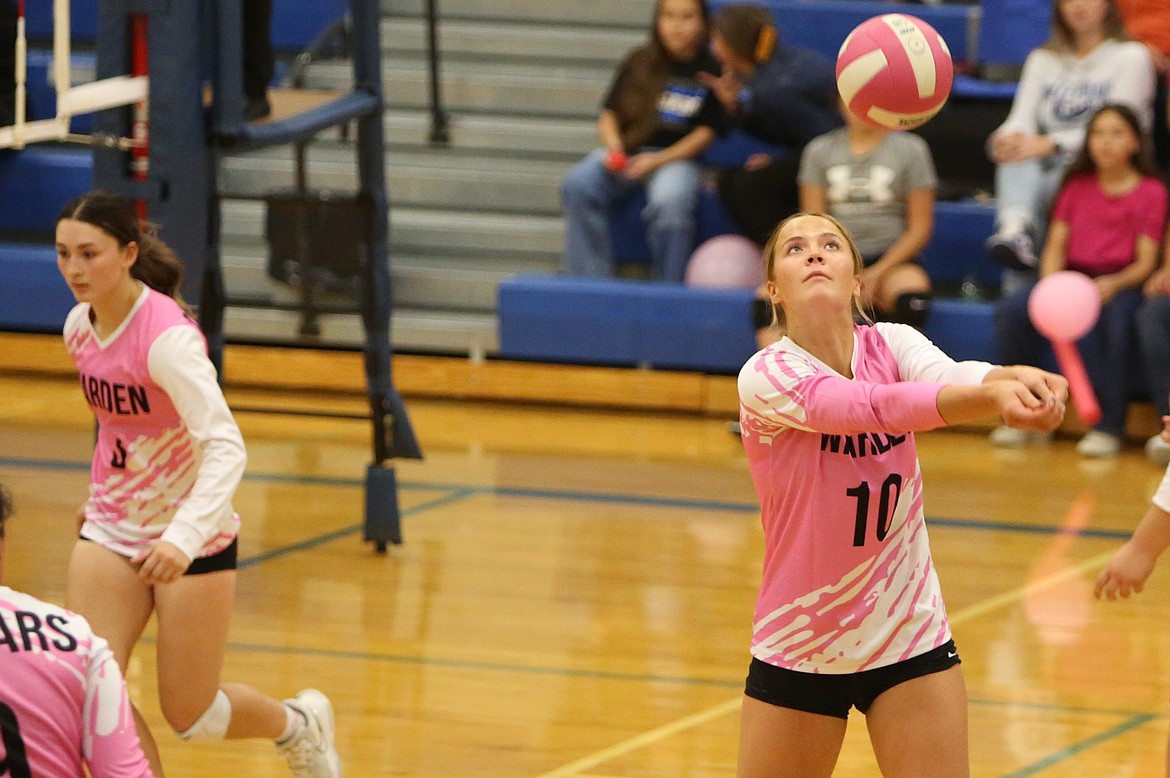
(658, 734)
(583, 496)
(1138, 720)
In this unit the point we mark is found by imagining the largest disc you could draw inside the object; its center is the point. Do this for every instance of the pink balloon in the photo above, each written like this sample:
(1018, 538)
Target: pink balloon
(1065, 305)
(726, 262)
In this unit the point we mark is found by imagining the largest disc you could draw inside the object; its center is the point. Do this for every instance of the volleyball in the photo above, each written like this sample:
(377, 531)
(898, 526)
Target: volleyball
(894, 71)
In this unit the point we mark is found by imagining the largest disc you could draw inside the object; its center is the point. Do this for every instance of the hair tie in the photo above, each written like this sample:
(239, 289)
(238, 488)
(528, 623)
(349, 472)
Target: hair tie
(765, 43)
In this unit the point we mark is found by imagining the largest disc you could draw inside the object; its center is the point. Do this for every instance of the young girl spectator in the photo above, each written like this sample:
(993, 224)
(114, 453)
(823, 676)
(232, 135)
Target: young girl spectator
(881, 184)
(158, 533)
(849, 611)
(785, 95)
(63, 700)
(1108, 222)
(657, 118)
(1088, 61)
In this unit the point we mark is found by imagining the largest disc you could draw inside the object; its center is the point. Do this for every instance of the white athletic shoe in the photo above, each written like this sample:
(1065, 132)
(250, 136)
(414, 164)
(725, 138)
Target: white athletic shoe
(1099, 444)
(1010, 437)
(1158, 451)
(310, 752)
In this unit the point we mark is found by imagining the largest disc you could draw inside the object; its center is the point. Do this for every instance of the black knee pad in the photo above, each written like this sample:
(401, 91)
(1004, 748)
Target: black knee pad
(912, 308)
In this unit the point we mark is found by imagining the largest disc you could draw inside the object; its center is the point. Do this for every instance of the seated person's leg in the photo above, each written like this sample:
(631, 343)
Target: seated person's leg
(672, 193)
(586, 195)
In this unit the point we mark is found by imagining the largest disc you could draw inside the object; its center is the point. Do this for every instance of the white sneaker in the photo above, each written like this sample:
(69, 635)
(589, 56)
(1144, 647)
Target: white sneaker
(1010, 437)
(1099, 444)
(1158, 451)
(310, 752)
(1012, 251)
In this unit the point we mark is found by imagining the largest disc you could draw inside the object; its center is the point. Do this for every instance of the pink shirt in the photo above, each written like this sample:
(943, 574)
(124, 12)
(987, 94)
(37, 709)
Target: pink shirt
(1103, 229)
(169, 455)
(848, 582)
(62, 696)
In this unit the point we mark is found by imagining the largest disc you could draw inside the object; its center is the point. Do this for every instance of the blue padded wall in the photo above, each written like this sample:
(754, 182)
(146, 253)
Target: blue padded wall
(631, 323)
(295, 23)
(824, 24)
(33, 297)
(38, 180)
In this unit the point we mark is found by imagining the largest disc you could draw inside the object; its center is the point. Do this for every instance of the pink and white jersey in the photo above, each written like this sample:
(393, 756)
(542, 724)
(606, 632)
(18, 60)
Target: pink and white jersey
(848, 582)
(169, 454)
(62, 697)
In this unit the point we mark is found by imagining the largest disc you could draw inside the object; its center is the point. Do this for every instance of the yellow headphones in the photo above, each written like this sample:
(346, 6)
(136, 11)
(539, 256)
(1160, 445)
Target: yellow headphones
(765, 42)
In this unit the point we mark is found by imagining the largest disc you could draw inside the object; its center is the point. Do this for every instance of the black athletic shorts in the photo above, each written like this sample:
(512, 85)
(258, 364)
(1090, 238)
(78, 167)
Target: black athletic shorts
(224, 560)
(834, 695)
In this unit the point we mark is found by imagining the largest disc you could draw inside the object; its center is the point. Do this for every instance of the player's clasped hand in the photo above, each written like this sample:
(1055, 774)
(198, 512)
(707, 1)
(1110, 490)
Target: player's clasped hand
(161, 563)
(1032, 399)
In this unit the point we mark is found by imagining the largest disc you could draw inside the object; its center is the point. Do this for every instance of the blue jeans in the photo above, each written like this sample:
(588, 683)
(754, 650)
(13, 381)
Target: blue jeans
(1107, 350)
(1153, 331)
(588, 192)
(1025, 191)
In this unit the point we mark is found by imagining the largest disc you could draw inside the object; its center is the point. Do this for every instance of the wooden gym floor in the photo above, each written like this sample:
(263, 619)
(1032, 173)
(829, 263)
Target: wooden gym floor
(573, 598)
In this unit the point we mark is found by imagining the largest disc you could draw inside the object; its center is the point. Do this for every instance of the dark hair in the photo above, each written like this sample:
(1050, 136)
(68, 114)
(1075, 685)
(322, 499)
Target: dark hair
(748, 30)
(1063, 40)
(5, 509)
(643, 75)
(1142, 159)
(157, 266)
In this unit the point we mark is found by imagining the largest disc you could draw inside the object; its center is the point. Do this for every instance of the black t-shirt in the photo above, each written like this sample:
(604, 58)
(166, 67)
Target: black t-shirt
(684, 103)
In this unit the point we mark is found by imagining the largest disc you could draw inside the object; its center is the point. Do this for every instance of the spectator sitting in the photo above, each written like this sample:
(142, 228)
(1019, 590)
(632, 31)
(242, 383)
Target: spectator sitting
(881, 184)
(785, 95)
(660, 114)
(1109, 218)
(1149, 22)
(1088, 61)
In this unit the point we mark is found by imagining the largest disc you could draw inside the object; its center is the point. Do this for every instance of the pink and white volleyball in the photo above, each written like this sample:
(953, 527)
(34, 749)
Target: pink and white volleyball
(894, 71)
(726, 262)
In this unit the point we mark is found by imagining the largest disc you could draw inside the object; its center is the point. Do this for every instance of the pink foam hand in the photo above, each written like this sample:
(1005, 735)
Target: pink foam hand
(1079, 388)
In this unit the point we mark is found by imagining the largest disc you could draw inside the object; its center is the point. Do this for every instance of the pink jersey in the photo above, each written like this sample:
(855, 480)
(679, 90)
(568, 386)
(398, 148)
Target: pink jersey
(168, 455)
(62, 698)
(848, 582)
(1103, 229)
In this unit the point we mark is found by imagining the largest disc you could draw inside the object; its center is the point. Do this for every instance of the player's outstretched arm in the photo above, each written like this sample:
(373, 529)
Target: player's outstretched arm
(1132, 564)
(1018, 404)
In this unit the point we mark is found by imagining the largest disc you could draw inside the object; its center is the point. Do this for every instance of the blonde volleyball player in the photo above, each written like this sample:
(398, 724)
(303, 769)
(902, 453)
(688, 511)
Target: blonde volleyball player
(849, 612)
(159, 532)
(63, 701)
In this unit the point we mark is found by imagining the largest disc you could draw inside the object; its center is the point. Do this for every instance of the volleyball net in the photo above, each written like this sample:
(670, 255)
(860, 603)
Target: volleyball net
(73, 100)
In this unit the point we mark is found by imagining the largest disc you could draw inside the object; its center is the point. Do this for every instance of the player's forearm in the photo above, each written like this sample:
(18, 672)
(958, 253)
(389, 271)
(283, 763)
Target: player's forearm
(962, 404)
(1152, 535)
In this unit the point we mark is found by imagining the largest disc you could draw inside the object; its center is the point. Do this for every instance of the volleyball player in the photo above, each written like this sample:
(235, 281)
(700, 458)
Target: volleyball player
(63, 700)
(159, 531)
(849, 612)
